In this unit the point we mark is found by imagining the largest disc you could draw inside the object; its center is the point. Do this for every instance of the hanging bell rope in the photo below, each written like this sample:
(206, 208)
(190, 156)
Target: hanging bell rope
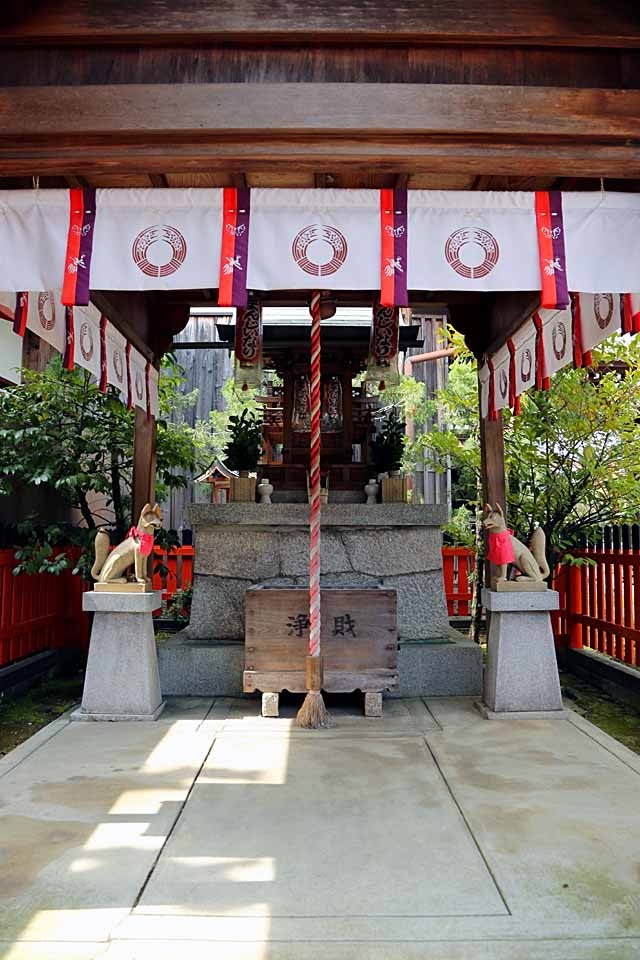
(313, 712)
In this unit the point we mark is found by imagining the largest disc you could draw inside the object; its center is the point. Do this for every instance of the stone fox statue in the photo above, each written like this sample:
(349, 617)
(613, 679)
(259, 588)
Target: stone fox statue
(504, 548)
(110, 567)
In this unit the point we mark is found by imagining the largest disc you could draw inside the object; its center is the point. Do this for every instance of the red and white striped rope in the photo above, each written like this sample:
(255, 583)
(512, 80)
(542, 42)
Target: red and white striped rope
(314, 531)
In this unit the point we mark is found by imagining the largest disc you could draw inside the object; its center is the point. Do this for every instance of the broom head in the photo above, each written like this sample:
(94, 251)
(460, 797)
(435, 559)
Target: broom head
(313, 713)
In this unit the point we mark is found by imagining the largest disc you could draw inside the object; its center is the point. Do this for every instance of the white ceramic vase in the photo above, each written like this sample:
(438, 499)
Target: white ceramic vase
(371, 490)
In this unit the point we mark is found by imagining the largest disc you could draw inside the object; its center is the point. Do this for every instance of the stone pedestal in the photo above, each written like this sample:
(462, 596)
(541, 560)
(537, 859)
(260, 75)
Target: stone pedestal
(521, 675)
(122, 680)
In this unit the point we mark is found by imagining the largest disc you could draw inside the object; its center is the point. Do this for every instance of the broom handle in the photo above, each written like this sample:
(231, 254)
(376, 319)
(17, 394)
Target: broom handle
(314, 531)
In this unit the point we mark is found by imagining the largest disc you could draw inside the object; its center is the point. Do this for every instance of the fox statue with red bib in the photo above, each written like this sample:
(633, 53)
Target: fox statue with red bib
(504, 548)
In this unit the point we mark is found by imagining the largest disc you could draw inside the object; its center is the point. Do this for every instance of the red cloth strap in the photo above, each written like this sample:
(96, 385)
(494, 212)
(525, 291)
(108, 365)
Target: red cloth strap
(70, 340)
(630, 313)
(581, 357)
(543, 381)
(21, 313)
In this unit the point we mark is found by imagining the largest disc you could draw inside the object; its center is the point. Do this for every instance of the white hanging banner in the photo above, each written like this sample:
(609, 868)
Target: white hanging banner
(116, 345)
(138, 379)
(156, 240)
(600, 316)
(7, 305)
(302, 239)
(154, 406)
(602, 237)
(501, 369)
(557, 331)
(524, 340)
(87, 349)
(33, 239)
(168, 239)
(46, 318)
(484, 376)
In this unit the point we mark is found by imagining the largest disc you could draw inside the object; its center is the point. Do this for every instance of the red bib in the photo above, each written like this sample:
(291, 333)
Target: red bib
(500, 547)
(146, 540)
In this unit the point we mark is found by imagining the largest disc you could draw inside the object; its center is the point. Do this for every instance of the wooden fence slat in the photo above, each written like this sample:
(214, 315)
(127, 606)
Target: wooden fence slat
(447, 571)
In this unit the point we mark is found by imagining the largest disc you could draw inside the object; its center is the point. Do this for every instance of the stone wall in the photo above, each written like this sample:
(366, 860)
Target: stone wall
(395, 545)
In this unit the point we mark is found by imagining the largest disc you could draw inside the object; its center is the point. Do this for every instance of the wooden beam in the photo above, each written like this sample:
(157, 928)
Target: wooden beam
(507, 312)
(541, 22)
(128, 312)
(142, 111)
(80, 131)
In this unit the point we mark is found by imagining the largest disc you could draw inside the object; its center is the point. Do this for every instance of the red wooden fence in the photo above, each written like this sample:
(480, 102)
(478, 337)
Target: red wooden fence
(457, 566)
(44, 612)
(39, 612)
(600, 604)
(179, 564)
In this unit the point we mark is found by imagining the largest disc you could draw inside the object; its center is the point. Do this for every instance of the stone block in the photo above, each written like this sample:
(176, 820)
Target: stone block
(240, 552)
(450, 669)
(422, 609)
(521, 675)
(217, 609)
(333, 515)
(293, 550)
(190, 667)
(270, 704)
(122, 681)
(513, 601)
(388, 550)
(372, 704)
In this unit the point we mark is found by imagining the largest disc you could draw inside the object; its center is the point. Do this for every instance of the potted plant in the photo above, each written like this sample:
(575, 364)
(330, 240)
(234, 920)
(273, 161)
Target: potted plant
(242, 453)
(387, 448)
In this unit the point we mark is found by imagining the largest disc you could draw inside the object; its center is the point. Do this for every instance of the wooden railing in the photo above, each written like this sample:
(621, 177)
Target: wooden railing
(457, 567)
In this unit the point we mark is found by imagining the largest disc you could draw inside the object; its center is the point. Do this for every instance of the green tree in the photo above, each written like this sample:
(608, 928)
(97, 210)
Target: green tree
(58, 430)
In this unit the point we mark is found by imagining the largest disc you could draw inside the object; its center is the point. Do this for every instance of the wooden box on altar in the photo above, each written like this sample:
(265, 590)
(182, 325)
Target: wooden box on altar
(394, 489)
(359, 639)
(243, 489)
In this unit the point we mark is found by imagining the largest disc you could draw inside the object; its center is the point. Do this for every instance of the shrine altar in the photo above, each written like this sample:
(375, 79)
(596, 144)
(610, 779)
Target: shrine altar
(397, 546)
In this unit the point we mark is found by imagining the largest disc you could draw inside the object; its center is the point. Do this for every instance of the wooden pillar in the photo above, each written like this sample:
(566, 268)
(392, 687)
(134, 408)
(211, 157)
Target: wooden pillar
(144, 462)
(492, 468)
(36, 353)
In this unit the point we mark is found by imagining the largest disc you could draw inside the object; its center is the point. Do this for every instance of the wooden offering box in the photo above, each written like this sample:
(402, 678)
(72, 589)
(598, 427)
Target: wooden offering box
(359, 639)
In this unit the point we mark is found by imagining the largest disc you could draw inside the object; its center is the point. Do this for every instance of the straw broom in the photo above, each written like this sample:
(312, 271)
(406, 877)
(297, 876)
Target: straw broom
(313, 712)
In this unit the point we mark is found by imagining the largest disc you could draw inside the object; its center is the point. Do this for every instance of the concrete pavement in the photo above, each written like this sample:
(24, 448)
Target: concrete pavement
(213, 832)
